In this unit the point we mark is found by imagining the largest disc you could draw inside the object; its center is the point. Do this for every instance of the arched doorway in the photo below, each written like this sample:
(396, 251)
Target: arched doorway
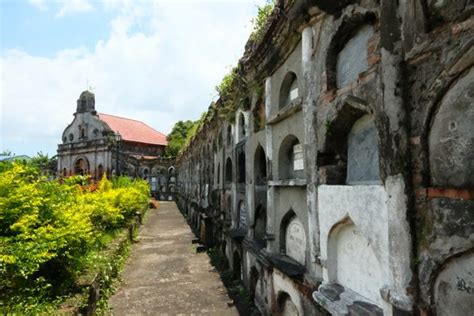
(81, 166)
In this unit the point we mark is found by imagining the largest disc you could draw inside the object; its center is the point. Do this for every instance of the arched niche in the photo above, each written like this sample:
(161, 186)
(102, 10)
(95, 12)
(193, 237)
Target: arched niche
(241, 167)
(454, 287)
(229, 135)
(288, 90)
(241, 124)
(293, 237)
(260, 166)
(259, 115)
(333, 155)
(260, 224)
(286, 307)
(352, 59)
(352, 261)
(290, 158)
(451, 137)
(347, 54)
(228, 171)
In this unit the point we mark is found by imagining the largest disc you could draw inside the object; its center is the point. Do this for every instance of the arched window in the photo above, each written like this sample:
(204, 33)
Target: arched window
(228, 171)
(64, 172)
(260, 166)
(241, 173)
(83, 133)
(288, 90)
(290, 159)
(218, 181)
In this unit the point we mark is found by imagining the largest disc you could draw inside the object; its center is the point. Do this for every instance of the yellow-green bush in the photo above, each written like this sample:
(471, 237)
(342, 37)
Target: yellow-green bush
(48, 227)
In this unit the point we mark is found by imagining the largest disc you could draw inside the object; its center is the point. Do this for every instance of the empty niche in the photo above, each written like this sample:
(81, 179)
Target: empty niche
(288, 90)
(241, 167)
(228, 171)
(352, 59)
(363, 152)
(451, 138)
(241, 126)
(260, 166)
(260, 224)
(259, 115)
(286, 306)
(290, 159)
(229, 135)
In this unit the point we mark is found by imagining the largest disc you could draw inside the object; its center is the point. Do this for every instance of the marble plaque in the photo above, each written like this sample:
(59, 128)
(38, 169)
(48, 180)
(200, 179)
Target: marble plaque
(296, 241)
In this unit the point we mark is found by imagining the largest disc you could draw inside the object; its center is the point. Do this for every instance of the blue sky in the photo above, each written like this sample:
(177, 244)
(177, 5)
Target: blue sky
(156, 61)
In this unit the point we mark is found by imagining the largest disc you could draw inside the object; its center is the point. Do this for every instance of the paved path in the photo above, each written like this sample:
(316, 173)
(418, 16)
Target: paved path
(164, 275)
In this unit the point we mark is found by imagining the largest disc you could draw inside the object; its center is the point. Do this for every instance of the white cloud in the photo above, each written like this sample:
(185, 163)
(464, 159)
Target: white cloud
(162, 74)
(39, 4)
(74, 6)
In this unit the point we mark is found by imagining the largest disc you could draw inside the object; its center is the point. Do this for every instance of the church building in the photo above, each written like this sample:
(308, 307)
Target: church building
(96, 143)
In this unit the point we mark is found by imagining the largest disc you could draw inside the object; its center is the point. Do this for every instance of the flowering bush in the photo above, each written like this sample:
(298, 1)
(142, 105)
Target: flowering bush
(48, 227)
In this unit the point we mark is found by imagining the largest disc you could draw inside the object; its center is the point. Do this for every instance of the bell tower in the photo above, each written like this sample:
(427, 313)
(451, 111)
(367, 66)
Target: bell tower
(86, 102)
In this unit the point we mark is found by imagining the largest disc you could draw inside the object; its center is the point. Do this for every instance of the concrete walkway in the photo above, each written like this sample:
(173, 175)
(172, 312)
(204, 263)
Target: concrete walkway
(164, 275)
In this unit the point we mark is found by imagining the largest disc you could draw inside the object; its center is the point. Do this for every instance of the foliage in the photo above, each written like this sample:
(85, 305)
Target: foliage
(178, 136)
(48, 228)
(258, 23)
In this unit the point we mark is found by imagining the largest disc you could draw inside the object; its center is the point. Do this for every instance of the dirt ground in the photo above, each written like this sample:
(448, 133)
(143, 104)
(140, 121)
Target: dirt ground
(164, 274)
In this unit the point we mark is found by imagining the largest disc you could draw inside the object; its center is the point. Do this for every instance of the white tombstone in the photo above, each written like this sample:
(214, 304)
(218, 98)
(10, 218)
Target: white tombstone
(296, 240)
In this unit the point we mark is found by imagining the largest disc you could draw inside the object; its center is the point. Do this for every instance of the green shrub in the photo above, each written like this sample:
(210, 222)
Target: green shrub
(48, 228)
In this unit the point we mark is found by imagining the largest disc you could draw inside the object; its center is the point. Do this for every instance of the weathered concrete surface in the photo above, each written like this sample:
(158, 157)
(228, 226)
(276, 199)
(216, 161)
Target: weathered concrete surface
(164, 275)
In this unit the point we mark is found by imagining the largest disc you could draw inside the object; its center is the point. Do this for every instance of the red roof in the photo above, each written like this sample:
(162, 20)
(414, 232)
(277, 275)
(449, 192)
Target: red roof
(133, 130)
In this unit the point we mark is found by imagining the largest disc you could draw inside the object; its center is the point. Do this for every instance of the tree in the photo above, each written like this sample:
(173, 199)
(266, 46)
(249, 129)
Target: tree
(6, 152)
(178, 136)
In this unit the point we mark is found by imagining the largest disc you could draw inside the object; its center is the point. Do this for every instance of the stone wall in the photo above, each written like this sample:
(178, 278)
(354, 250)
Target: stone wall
(347, 185)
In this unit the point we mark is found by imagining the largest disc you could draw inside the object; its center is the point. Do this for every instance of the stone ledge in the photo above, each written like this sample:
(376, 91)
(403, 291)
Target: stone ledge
(288, 183)
(338, 300)
(287, 265)
(287, 111)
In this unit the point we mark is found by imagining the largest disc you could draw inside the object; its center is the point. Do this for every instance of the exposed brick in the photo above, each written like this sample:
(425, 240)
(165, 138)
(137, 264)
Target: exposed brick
(450, 193)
